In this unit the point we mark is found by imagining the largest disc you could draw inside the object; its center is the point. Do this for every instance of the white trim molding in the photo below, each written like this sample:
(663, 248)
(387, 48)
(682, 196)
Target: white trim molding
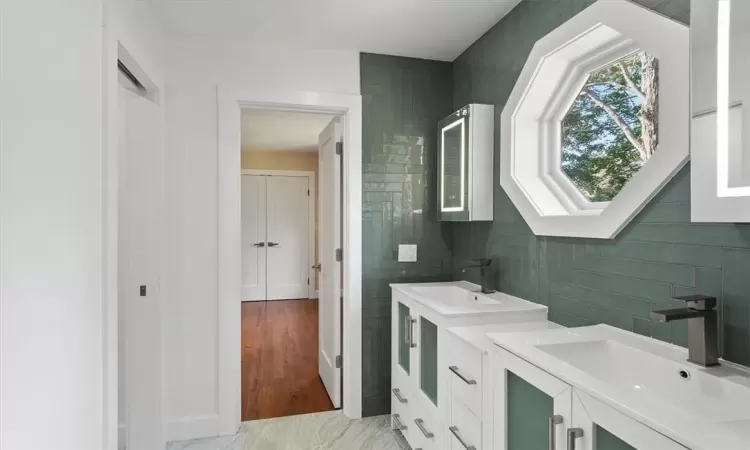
(557, 68)
(311, 223)
(230, 101)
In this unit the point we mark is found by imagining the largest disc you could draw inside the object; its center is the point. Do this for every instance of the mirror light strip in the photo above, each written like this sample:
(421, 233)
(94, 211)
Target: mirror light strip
(723, 50)
(443, 208)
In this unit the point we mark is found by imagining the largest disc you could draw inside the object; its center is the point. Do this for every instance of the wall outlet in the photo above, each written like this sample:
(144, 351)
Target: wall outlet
(407, 253)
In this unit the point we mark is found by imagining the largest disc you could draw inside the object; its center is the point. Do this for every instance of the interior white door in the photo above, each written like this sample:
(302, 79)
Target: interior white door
(253, 237)
(329, 280)
(287, 237)
(140, 215)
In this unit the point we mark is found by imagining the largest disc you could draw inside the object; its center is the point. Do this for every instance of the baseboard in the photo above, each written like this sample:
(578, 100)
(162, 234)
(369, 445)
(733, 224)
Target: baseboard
(192, 427)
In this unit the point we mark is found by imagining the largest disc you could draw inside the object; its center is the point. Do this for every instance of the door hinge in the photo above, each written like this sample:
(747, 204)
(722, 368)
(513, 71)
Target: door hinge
(308, 281)
(339, 361)
(340, 147)
(308, 192)
(339, 255)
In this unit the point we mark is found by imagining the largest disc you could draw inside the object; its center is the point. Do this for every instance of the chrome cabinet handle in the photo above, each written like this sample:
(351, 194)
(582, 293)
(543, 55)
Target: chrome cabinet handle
(454, 369)
(399, 425)
(412, 321)
(259, 244)
(317, 266)
(454, 430)
(554, 421)
(573, 434)
(427, 433)
(407, 339)
(397, 393)
(273, 244)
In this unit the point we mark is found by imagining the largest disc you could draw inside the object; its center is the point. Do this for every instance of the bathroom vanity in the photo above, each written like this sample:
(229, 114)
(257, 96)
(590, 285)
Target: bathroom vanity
(423, 368)
(602, 388)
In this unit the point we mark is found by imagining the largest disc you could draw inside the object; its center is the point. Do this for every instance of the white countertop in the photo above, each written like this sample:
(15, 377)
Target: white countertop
(476, 335)
(712, 413)
(445, 299)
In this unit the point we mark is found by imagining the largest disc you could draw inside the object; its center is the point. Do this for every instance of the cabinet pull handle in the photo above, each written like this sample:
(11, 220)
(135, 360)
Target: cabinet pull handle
(406, 331)
(573, 434)
(412, 321)
(454, 369)
(554, 421)
(397, 420)
(397, 393)
(427, 433)
(454, 430)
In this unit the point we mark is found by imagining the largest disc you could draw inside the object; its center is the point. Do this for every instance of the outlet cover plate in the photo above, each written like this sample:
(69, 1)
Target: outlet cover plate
(407, 253)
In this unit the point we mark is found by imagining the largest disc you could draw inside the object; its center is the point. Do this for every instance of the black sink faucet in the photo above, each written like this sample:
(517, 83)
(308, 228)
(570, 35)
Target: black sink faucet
(486, 272)
(703, 329)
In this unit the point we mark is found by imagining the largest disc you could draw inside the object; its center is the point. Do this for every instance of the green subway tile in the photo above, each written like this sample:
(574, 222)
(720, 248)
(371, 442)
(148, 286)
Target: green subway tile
(650, 290)
(724, 235)
(668, 273)
(693, 255)
(623, 304)
(736, 307)
(666, 213)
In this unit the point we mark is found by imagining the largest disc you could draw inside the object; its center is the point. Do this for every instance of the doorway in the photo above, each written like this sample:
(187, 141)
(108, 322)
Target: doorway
(288, 251)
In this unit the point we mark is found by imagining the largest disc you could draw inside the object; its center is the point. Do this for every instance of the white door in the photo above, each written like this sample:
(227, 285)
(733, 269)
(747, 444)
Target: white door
(287, 237)
(329, 280)
(140, 171)
(253, 237)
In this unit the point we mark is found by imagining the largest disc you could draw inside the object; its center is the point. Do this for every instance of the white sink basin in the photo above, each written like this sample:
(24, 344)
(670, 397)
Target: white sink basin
(459, 298)
(698, 407)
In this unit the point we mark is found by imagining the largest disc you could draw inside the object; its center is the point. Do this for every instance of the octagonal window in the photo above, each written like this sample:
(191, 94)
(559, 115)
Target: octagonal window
(611, 130)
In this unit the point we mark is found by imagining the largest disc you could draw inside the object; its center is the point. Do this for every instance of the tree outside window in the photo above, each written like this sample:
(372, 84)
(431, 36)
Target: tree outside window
(611, 130)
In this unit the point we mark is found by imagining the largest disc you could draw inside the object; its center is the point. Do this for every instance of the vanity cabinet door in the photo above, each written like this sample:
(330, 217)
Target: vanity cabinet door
(598, 426)
(428, 359)
(532, 408)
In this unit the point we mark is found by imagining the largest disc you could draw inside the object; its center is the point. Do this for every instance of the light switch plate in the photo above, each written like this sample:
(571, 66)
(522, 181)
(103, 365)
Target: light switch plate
(407, 253)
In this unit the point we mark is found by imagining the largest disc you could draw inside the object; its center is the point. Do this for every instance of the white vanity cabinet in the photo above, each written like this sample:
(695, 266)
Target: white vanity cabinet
(536, 410)
(420, 375)
(465, 164)
(470, 426)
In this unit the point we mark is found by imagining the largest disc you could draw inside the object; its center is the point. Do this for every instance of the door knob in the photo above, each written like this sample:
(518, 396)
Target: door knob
(316, 266)
(273, 244)
(259, 244)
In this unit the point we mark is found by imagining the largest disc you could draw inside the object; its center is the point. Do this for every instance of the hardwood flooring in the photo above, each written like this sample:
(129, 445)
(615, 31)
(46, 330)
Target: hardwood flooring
(280, 360)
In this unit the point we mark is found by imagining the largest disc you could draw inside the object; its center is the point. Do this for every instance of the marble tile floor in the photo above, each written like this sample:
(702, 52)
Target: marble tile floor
(319, 431)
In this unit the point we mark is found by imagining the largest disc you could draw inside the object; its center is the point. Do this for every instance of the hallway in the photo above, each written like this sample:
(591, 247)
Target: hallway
(280, 360)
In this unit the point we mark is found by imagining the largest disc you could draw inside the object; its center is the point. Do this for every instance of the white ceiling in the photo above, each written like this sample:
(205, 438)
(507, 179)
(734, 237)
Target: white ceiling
(281, 130)
(430, 29)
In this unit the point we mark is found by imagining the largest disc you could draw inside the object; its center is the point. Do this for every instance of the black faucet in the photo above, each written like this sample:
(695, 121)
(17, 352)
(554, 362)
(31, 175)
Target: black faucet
(703, 329)
(486, 272)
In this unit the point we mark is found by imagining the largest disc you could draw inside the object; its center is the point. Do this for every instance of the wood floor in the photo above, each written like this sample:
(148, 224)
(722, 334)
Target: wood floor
(280, 360)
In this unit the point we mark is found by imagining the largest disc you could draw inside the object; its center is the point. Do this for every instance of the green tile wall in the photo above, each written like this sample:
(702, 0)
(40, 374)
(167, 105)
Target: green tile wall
(402, 101)
(659, 255)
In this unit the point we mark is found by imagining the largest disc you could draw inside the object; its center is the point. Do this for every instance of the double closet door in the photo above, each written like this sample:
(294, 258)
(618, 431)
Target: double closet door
(275, 237)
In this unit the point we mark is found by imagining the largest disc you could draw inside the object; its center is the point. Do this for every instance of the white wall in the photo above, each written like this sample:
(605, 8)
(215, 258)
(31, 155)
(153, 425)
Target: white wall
(195, 69)
(51, 215)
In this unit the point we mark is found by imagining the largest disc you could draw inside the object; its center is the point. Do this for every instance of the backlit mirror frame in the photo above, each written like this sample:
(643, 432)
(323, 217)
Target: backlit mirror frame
(530, 171)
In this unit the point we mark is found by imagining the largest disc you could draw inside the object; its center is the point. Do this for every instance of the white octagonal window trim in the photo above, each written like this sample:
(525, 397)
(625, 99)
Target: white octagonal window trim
(555, 72)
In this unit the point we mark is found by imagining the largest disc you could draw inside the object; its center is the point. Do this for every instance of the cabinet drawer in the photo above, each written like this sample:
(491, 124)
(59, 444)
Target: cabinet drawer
(465, 366)
(401, 414)
(425, 433)
(465, 429)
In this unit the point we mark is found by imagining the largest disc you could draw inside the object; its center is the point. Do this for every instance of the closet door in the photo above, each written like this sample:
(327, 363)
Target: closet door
(287, 237)
(253, 237)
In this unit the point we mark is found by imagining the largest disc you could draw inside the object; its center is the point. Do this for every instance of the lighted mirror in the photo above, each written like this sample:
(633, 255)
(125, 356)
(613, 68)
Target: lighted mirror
(720, 169)
(611, 130)
(452, 170)
(596, 123)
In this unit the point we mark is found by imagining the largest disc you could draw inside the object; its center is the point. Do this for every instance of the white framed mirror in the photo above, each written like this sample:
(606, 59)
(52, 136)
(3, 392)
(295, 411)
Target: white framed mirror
(596, 123)
(720, 132)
